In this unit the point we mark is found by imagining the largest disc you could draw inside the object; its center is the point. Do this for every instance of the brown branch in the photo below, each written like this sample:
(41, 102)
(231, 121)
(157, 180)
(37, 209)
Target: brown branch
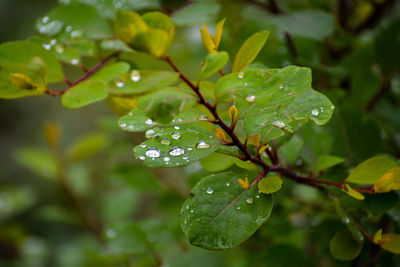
(87, 75)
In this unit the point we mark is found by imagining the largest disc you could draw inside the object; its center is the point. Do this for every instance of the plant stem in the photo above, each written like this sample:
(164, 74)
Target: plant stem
(86, 76)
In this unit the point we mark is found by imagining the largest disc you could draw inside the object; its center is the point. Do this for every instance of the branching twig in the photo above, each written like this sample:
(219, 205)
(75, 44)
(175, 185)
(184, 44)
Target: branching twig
(87, 75)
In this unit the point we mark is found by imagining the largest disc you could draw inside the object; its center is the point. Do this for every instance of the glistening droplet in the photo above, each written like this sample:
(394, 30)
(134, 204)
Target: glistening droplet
(202, 144)
(135, 76)
(177, 151)
(250, 98)
(153, 153)
(210, 191)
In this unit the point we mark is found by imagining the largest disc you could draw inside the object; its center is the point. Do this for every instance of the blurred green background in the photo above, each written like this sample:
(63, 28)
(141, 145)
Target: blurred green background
(53, 219)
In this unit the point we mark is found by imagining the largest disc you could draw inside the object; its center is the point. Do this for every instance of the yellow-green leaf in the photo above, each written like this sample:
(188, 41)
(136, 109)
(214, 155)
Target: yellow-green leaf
(218, 33)
(270, 184)
(353, 193)
(369, 171)
(391, 242)
(154, 41)
(161, 21)
(249, 50)
(207, 40)
(128, 24)
(378, 237)
(389, 181)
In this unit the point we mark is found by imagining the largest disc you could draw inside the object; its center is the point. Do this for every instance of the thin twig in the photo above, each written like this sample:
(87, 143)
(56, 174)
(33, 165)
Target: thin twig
(87, 75)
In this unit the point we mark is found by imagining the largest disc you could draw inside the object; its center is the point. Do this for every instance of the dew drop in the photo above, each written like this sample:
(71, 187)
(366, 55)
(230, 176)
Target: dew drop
(250, 98)
(142, 158)
(176, 136)
(165, 141)
(210, 191)
(203, 117)
(249, 200)
(177, 151)
(75, 61)
(241, 75)
(177, 127)
(190, 148)
(245, 84)
(281, 87)
(149, 122)
(315, 112)
(279, 124)
(76, 34)
(187, 207)
(150, 133)
(185, 157)
(228, 184)
(238, 208)
(135, 76)
(111, 233)
(46, 46)
(123, 125)
(153, 153)
(45, 19)
(257, 196)
(59, 49)
(143, 145)
(68, 28)
(202, 144)
(191, 211)
(166, 159)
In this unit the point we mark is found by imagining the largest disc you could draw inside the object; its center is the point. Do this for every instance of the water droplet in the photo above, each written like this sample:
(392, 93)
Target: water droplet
(203, 117)
(228, 184)
(177, 127)
(281, 87)
(119, 82)
(279, 124)
(75, 61)
(142, 158)
(135, 76)
(245, 84)
(249, 200)
(165, 141)
(53, 42)
(250, 98)
(238, 208)
(202, 144)
(187, 207)
(153, 153)
(166, 159)
(149, 122)
(59, 49)
(123, 125)
(150, 133)
(46, 46)
(185, 157)
(257, 196)
(190, 148)
(191, 211)
(111, 233)
(346, 220)
(76, 34)
(177, 151)
(45, 19)
(68, 28)
(176, 136)
(241, 75)
(210, 191)
(315, 112)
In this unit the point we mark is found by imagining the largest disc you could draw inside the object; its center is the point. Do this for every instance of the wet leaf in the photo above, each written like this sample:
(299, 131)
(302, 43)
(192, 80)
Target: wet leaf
(270, 184)
(344, 247)
(219, 214)
(369, 171)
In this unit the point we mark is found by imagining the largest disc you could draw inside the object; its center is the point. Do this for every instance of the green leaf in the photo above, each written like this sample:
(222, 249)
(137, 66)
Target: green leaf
(36, 70)
(326, 162)
(369, 171)
(136, 120)
(290, 151)
(20, 53)
(107, 73)
(164, 104)
(249, 50)
(391, 242)
(84, 93)
(38, 161)
(270, 184)
(115, 45)
(161, 21)
(154, 41)
(212, 64)
(143, 81)
(217, 162)
(80, 17)
(196, 13)
(278, 101)
(312, 24)
(344, 247)
(87, 146)
(353, 193)
(176, 146)
(128, 24)
(219, 214)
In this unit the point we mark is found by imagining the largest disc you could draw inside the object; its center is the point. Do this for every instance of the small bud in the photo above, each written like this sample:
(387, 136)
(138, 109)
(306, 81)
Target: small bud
(52, 134)
(255, 139)
(377, 237)
(244, 184)
(262, 149)
(220, 134)
(233, 113)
